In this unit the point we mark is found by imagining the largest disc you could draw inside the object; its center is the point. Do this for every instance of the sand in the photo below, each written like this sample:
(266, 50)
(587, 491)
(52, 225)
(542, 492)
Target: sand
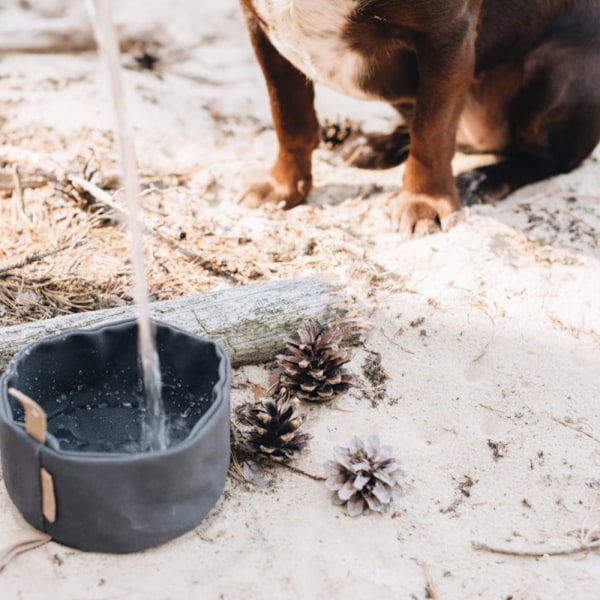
(489, 335)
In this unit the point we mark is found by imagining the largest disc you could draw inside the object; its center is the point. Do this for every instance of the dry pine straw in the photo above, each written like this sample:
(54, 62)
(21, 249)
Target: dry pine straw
(64, 252)
(59, 255)
(64, 249)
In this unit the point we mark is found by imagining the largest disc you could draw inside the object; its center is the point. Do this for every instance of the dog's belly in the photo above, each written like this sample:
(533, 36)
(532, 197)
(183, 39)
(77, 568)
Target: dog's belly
(310, 35)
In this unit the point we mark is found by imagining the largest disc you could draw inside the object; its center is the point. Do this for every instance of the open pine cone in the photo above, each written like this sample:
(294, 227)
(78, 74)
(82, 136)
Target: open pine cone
(275, 424)
(364, 477)
(313, 365)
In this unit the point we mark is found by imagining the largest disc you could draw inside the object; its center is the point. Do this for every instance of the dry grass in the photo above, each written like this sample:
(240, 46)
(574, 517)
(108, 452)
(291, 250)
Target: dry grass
(64, 252)
(65, 249)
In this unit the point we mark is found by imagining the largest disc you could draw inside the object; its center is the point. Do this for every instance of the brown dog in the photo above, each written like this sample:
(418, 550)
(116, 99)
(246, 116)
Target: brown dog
(518, 77)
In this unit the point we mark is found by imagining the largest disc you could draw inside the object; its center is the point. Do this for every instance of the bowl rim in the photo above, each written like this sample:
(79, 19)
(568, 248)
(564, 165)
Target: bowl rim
(195, 435)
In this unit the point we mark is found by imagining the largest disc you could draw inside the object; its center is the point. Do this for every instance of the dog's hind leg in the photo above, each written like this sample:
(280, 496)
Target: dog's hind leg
(555, 116)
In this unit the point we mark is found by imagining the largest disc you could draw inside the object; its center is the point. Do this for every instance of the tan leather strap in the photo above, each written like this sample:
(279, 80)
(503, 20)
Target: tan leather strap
(35, 417)
(20, 543)
(36, 427)
(48, 497)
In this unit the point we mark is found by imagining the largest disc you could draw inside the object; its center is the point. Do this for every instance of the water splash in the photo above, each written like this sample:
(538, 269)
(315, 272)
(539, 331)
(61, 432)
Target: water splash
(154, 430)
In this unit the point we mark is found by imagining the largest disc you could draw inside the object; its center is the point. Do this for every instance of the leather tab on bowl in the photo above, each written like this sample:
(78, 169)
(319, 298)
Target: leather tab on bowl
(35, 417)
(48, 497)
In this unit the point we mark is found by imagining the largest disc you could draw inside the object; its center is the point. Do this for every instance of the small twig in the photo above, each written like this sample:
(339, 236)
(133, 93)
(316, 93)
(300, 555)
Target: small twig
(20, 543)
(395, 343)
(430, 588)
(574, 331)
(492, 408)
(17, 183)
(577, 218)
(344, 410)
(575, 428)
(37, 257)
(591, 534)
(107, 199)
(537, 554)
(236, 467)
(7, 181)
(192, 256)
(299, 471)
(19, 195)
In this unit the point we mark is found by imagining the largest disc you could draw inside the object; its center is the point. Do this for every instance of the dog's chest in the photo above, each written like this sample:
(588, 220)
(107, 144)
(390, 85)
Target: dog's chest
(309, 34)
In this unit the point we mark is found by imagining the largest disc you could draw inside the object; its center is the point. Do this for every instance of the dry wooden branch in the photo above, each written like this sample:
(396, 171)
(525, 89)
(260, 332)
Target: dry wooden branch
(59, 35)
(250, 322)
(299, 471)
(538, 553)
(33, 258)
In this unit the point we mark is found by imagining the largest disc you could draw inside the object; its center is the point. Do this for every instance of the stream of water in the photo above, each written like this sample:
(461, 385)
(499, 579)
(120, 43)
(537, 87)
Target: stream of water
(154, 429)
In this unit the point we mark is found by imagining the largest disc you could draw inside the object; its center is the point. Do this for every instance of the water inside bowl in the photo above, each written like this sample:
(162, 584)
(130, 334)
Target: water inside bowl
(91, 423)
(118, 428)
(106, 418)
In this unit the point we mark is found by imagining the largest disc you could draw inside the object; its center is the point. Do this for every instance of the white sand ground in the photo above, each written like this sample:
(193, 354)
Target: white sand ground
(490, 335)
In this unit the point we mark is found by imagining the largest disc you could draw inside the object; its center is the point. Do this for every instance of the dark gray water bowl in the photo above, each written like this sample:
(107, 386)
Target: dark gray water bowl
(89, 485)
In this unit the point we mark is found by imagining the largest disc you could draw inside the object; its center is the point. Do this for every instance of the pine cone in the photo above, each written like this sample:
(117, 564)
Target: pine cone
(364, 477)
(312, 367)
(275, 424)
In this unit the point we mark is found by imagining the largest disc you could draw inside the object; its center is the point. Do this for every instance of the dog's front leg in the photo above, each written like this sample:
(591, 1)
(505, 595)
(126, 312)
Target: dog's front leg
(446, 66)
(291, 96)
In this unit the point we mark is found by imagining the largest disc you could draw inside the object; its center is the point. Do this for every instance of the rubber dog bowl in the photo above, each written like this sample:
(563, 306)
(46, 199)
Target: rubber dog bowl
(85, 481)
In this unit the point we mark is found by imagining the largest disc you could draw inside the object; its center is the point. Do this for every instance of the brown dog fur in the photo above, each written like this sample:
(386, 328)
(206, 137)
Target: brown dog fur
(517, 77)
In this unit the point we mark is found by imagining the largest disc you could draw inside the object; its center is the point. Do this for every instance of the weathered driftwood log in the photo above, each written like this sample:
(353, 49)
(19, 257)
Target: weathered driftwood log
(60, 35)
(46, 35)
(250, 322)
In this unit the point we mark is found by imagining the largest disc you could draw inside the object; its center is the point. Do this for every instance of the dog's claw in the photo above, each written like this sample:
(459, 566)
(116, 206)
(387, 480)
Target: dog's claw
(269, 191)
(417, 215)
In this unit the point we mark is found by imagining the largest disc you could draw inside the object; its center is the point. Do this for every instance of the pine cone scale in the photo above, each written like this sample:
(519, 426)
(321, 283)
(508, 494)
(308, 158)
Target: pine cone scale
(346, 491)
(361, 481)
(356, 505)
(382, 493)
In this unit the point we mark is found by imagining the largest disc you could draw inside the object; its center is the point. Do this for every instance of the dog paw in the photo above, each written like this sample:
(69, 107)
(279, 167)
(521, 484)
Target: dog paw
(376, 150)
(417, 215)
(480, 187)
(270, 191)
